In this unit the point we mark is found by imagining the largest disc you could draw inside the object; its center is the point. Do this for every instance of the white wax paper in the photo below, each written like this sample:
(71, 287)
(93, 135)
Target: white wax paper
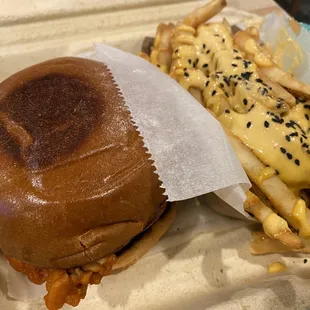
(191, 152)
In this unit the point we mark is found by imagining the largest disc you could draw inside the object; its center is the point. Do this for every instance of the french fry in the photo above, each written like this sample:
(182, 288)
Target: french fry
(253, 32)
(281, 198)
(278, 90)
(279, 229)
(213, 81)
(254, 52)
(201, 15)
(144, 56)
(196, 93)
(261, 244)
(162, 51)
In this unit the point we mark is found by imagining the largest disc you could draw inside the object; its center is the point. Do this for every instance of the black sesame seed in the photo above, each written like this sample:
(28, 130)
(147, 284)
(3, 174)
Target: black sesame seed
(205, 66)
(236, 51)
(304, 136)
(207, 83)
(249, 124)
(226, 95)
(245, 101)
(246, 75)
(186, 74)
(259, 80)
(283, 150)
(301, 140)
(288, 138)
(308, 152)
(252, 106)
(219, 72)
(222, 85)
(305, 145)
(240, 78)
(305, 261)
(279, 105)
(184, 69)
(266, 124)
(236, 83)
(176, 51)
(277, 172)
(263, 91)
(203, 46)
(297, 162)
(223, 40)
(307, 117)
(238, 58)
(208, 51)
(288, 125)
(234, 65)
(300, 99)
(213, 92)
(294, 134)
(227, 111)
(190, 61)
(158, 66)
(289, 156)
(307, 106)
(216, 35)
(246, 63)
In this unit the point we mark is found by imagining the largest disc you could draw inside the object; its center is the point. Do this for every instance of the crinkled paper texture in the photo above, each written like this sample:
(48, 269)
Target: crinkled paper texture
(191, 152)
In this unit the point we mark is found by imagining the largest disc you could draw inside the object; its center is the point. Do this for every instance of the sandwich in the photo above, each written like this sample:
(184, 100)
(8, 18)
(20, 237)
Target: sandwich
(264, 110)
(79, 196)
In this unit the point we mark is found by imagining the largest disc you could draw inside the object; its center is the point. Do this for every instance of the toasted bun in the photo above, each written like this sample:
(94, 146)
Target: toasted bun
(76, 181)
(147, 241)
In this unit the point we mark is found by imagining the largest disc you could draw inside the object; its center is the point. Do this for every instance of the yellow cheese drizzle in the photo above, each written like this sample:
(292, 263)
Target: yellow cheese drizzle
(276, 267)
(266, 173)
(231, 88)
(299, 217)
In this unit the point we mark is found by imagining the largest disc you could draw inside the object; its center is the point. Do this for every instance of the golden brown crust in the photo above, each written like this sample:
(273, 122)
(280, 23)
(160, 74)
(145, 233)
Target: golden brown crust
(79, 184)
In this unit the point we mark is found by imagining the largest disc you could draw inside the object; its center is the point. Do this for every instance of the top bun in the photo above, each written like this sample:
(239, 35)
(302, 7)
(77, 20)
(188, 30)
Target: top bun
(76, 181)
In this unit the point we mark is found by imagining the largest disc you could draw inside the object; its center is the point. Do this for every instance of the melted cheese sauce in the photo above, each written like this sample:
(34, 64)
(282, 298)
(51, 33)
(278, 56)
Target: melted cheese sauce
(274, 225)
(232, 89)
(266, 173)
(299, 216)
(276, 267)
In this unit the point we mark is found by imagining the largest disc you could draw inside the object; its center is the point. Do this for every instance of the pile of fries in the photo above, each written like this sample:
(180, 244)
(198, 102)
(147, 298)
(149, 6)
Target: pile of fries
(264, 110)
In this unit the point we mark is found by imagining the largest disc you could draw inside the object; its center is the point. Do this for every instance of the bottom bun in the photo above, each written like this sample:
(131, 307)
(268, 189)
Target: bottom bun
(139, 247)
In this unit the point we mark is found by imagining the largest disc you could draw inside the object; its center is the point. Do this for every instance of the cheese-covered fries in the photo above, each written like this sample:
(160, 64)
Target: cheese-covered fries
(264, 110)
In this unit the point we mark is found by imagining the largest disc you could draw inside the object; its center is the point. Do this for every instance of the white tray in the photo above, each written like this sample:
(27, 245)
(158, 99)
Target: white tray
(215, 267)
